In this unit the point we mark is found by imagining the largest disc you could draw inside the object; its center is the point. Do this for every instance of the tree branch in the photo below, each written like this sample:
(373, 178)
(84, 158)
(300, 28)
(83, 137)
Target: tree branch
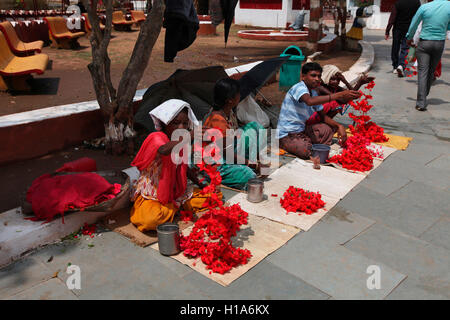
(148, 35)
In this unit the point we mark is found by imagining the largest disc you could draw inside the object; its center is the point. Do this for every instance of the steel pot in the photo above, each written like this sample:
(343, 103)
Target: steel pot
(255, 189)
(168, 238)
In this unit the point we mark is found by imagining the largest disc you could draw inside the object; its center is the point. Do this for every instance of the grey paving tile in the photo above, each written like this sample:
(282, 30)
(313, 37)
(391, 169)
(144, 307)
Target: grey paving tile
(265, 281)
(53, 289)
(413, 289)
(425, 196)
(442, 162)
(172, 264)
(22, 275)
(409, 169)
(334, 269)
(399, 214)
(383, 182)
(421, 153)
(423, 261)
(439, 233)
(338, 226)
(115, 268)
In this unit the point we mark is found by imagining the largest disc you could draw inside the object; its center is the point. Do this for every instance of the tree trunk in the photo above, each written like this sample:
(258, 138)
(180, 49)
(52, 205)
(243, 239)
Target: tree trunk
(343, 8)
(336, 17)
(314, 25)
(116, 106)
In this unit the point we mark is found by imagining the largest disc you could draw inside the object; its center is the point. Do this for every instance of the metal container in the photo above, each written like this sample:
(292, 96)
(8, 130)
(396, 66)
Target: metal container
(255, 189)
(322, 151)
(168, 238)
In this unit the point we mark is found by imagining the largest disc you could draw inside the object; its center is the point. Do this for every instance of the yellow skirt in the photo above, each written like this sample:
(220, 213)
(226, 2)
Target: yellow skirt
(148, 214)
(355, 33)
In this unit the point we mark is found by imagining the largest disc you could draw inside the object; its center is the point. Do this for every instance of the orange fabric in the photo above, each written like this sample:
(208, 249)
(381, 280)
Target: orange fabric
(148, 214)
(218, 121)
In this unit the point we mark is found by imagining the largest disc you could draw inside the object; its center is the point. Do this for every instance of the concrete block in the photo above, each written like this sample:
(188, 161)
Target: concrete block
(18, 235)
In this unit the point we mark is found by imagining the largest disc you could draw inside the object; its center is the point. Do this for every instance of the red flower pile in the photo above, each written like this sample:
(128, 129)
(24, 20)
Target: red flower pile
(355, 155)
(297, 199)
(87, 230)
(210, 238)
(363, 125)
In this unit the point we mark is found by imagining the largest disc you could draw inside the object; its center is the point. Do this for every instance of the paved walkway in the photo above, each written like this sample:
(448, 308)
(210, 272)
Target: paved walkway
(398, 220)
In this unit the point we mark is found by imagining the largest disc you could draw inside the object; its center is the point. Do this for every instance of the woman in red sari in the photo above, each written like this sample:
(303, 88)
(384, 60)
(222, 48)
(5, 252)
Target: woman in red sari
(163, 187)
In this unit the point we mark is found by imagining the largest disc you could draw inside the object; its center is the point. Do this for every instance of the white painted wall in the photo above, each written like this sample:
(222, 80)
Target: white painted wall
(378, 20)
(267, 18)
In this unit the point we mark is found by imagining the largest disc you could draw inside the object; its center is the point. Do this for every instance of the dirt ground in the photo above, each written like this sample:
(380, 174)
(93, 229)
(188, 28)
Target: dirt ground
(68, 79)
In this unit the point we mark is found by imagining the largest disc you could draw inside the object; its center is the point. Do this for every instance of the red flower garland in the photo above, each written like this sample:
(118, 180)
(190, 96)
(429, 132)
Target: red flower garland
(297, 199)
(210, 238)
(364, 126)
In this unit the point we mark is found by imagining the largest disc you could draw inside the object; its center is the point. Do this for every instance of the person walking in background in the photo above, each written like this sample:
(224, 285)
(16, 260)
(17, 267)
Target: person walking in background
(435, 18)
(401, 15)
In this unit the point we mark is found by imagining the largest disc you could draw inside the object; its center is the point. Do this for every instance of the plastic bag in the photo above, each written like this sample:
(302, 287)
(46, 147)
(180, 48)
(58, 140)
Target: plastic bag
(248, 110)
(411, 55)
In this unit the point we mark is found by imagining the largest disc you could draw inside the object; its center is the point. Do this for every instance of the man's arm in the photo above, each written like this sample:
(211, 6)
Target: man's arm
(343, 96)
(414, 24)
(391, 22)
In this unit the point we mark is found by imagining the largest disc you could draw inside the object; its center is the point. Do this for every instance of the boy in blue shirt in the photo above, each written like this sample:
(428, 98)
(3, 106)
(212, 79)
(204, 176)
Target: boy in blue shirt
(300, 103)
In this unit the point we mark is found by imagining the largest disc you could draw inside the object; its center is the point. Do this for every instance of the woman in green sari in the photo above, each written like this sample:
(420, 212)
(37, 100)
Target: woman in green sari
(247, 144)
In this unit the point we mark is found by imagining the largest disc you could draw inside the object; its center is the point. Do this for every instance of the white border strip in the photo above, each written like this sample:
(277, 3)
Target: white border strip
(74, 108)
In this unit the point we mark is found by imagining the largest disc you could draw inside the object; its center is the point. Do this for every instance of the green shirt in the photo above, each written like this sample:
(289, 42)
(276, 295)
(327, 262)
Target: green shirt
(435, 17)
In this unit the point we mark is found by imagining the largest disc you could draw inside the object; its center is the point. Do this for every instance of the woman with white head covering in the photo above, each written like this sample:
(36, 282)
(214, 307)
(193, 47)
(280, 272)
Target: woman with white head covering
(162, 187)
(331, 78)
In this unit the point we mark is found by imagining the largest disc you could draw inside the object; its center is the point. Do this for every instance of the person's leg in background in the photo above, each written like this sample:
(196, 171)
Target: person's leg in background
(437, 48)
(402, 55)
(423, 61)
(395, 49)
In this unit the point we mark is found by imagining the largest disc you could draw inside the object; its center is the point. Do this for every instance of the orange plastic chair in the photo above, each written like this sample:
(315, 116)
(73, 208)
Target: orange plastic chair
(15, 71)
(60, 35)
(16, 45)
(119, 22)
(137, 16)
(87, 24)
